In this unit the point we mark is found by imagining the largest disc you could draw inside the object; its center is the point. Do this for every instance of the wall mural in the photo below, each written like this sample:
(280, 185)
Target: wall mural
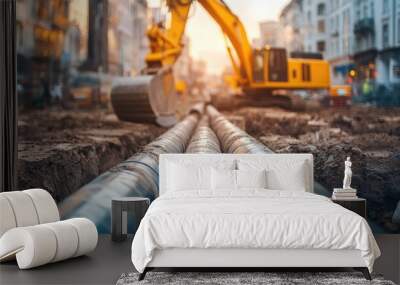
(70, 54)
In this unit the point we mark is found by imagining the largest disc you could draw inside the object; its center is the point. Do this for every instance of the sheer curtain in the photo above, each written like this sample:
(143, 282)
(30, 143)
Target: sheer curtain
(8, 97)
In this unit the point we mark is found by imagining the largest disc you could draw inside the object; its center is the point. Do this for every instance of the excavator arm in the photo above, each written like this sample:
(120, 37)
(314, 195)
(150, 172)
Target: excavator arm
(259, 73)
(166, 46)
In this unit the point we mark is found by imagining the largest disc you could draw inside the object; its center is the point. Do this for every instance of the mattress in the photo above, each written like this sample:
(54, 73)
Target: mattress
(250, 219)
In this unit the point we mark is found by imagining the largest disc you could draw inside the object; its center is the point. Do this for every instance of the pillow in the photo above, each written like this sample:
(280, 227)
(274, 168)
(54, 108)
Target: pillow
(251, 178)
(283, 174)
(188, 177)
(223, 179)
(295, 180)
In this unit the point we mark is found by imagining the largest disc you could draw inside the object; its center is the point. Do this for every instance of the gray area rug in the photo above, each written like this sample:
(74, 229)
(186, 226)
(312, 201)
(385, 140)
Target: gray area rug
(273, 278)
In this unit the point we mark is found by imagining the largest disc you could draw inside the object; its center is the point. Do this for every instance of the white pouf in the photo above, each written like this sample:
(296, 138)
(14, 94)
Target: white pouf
(31, 232)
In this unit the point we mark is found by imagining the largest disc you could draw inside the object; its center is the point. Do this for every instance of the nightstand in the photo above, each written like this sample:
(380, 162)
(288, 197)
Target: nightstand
(357, 205)
(120, 207)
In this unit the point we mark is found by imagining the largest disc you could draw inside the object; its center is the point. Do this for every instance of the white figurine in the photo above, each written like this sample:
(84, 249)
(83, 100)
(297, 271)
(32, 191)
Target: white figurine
(347, 174)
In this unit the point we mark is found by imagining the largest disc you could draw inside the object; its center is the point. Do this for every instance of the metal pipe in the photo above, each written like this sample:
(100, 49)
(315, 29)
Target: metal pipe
(204, 140)
(232, 138)
(136, 176)
(235, 140)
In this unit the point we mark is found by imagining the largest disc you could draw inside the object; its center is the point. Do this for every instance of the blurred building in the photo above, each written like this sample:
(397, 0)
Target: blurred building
(141, 20)
(271, 34)
(360, 38)
(376, 46)
(97, 36)
(256, 43)
(61, 39)
(291, 20)
(314, 14)
(76, 39)
(387, 26)
(125, 44)
(340, 38)
(41, 27)
(365, 49)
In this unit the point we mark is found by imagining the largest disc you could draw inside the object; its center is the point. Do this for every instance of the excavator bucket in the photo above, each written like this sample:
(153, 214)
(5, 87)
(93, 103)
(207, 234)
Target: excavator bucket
(146, 98)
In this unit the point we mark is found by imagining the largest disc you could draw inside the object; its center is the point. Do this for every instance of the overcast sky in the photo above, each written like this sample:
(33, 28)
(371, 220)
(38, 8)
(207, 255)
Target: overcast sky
(205, 35)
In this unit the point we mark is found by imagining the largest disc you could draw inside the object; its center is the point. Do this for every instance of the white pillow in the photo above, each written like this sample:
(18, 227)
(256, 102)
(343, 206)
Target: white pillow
(251, 178)
(294, 180)
(281, 174)
(223, 179)
(188, 177)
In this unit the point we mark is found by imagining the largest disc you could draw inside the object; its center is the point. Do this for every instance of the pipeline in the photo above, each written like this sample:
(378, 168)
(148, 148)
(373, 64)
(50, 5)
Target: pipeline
(204, 140)
(136, 176)
(232, 138)
(235, 140)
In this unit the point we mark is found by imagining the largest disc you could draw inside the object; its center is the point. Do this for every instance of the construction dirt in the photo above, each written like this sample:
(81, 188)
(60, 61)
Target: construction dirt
(62, 150)
(370, 136)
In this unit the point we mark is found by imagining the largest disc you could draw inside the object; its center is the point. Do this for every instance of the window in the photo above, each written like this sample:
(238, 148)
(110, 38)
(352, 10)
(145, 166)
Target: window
(385, 6)
(306, 72)
(398, 29)
(321, 9)
(278, 65)
(258, 71)
(372, 9)
(385, 35)
(321, 46)
(321, 26)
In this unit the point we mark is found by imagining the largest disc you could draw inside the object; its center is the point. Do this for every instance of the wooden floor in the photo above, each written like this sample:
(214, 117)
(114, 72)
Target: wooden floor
(110, 260)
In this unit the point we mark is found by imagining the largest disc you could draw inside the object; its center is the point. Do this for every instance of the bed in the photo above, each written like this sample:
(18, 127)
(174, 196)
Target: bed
(230, 210)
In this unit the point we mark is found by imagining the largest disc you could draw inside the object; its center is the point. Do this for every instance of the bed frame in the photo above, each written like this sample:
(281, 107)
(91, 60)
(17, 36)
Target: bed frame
(242, 259)
(246, 258)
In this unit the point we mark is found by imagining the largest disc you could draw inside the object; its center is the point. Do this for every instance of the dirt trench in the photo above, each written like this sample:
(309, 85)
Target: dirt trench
(371, 136)
(62, 150)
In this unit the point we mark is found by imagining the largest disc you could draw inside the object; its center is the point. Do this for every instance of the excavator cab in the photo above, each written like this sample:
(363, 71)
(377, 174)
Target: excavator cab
(270, 64)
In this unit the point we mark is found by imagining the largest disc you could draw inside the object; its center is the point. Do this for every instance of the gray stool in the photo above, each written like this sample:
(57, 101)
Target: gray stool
(119, 214)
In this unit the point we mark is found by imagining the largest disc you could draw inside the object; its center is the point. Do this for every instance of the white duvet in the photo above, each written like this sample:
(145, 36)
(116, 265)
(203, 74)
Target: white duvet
(256, 218)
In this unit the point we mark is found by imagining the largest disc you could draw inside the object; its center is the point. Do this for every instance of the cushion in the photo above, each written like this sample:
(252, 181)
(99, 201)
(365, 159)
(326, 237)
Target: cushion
(281, 174)
(223, 179)
(181, 177)
(187, 174)
(251, 178)
(45, 205)
(7, 220)
(23, 208)
(26, 208)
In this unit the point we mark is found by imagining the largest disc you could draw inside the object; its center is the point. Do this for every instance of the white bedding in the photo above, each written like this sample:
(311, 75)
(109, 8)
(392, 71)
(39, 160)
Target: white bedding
(251, 218)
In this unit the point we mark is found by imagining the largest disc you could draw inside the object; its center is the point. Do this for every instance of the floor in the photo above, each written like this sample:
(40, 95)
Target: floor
(103, 266)
(110, 260)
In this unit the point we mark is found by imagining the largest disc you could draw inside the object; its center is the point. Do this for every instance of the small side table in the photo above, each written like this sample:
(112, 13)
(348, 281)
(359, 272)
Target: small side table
(357, 205)
(119, 214)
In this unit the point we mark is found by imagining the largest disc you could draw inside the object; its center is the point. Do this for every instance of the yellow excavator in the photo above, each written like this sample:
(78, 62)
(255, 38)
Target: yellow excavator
(258, 72)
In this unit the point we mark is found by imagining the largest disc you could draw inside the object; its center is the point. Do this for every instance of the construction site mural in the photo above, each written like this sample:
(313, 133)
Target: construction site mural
(98, 86)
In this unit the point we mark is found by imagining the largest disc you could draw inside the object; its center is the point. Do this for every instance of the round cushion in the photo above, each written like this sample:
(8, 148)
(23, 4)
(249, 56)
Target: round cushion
(45, 205)
(87, 234)
(67, 240)
(7, 220)
(23, 208)
(40, 244)
(33, 246)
